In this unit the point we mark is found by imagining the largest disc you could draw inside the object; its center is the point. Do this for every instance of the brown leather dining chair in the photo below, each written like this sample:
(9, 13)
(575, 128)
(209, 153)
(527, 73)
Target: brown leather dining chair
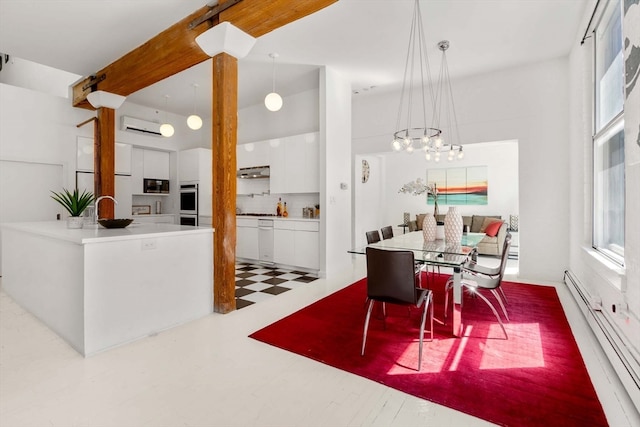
(391, 279)
(413, 225)
(373, 237)
(387, 232)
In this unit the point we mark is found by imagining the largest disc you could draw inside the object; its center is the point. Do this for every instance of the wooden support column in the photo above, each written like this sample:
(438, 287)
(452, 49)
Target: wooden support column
(105, 160)
(224, 117)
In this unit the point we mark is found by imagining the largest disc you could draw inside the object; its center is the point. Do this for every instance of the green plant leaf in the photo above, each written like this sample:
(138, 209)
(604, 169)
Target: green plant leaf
(74, 202)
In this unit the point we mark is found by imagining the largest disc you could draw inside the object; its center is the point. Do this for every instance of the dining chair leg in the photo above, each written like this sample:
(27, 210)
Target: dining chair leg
(504, 310)
(422, 322)
(495, 313)
(504, 297)
(366, 326)
(430, 303)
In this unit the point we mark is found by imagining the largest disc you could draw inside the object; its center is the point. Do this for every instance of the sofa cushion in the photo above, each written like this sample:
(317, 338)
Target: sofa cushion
(493, 228)
(478, 220)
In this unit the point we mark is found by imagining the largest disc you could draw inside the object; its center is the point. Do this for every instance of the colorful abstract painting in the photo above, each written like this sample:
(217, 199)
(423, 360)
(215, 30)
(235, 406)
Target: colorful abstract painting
(460, 186)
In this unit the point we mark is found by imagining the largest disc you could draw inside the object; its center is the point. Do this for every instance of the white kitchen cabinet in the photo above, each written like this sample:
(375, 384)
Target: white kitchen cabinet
(156, 164)
(284, 243)
(194, 166)
(253, 154)
(294, 164)
(247, 238)
(296, 243)
(123, 196)
(148, 164)
(137, 170)
(85, 154)
(307, 247)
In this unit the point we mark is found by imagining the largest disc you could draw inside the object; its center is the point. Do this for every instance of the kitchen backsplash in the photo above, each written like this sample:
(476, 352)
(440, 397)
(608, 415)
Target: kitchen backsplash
(267, 204)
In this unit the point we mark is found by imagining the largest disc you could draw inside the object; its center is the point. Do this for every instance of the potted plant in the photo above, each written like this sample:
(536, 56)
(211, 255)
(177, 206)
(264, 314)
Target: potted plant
(75, 203)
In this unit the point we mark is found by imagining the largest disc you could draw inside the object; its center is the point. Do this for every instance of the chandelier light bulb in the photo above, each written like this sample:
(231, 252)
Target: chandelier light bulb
(396, 145)
(436, 156)
(167, 130)
(194, 122)
(410, 149)
(460, 154)
(427, 156)
(273, 101)
(438, 142)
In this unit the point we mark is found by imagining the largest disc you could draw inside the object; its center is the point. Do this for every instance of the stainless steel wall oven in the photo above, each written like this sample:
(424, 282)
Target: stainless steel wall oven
(189, 204)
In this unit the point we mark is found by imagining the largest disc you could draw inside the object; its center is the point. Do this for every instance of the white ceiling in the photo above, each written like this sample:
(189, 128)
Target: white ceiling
(364, 40)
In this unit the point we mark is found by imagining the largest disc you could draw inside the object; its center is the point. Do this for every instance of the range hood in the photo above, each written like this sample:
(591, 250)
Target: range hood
(254, 172)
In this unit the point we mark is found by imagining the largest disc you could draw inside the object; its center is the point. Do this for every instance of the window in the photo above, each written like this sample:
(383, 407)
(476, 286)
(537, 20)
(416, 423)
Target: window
(608, 139)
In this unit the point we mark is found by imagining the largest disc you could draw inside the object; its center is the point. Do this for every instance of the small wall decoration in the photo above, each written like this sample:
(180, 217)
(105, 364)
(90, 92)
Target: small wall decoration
(460, 186)
(365, 171)
(141, 209)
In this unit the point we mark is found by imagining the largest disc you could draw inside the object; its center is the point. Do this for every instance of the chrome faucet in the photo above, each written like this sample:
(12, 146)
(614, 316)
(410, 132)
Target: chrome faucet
(98, 201)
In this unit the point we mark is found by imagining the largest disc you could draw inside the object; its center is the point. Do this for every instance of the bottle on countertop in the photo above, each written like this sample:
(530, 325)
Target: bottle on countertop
(284, 211)
(279, 207)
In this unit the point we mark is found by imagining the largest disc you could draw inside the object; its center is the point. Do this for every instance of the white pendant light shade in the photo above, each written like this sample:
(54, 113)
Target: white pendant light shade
(167, 130)
(101, 98)
(227, 38)
(194, 122)
(273, 101)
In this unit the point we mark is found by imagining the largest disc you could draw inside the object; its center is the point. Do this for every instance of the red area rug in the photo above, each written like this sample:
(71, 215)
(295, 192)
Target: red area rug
(535, 378)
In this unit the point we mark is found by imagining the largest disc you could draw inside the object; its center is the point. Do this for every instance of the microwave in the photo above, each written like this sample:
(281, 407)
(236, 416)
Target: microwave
(157, 186)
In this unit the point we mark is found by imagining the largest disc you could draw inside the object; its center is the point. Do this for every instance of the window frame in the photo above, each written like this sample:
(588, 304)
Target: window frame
(602, 134)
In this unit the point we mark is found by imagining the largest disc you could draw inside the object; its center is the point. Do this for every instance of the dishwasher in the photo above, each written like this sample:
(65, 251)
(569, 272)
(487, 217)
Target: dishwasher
(265, 240)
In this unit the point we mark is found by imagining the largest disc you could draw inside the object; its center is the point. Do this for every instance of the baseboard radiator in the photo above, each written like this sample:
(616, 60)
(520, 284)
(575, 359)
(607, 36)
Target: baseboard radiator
(615, 345)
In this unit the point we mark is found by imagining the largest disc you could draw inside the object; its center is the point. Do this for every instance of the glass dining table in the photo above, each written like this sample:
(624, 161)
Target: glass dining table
(437, 253)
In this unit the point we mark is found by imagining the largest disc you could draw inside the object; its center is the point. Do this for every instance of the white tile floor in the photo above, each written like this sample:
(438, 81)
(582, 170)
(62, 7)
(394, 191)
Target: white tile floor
(209, 373)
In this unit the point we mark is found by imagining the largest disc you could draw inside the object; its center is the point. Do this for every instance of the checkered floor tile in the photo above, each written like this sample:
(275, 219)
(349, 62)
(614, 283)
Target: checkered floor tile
(255, 283)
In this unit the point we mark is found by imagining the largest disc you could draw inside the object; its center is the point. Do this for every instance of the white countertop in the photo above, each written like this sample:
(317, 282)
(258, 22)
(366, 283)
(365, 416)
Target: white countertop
(279, 218)
(98, 234)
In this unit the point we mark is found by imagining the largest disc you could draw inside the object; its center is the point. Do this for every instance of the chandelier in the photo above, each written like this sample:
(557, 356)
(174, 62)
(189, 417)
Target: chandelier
(429, 139)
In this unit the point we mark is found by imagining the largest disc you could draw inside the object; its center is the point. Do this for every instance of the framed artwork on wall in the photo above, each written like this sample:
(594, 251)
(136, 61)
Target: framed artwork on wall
(460, 186)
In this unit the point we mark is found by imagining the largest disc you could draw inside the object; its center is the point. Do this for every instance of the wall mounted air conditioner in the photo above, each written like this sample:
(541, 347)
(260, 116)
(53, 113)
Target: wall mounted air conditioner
(140, 126)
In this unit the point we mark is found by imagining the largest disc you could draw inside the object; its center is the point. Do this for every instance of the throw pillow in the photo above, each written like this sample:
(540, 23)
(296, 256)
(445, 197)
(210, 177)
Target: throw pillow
(485, 223)
(493, 228)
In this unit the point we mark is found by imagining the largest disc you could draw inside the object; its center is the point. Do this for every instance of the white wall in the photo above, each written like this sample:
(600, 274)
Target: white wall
(299, 114)
(378, 202)
(614, 285)
(335, 169)
(528, 104)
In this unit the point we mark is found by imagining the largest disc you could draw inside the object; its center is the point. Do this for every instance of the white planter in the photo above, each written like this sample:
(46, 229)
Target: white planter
(74, 222)
(429, 228)
(453, 225)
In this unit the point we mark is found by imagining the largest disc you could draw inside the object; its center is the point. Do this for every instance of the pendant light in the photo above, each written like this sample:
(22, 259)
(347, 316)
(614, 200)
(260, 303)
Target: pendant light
(194, 121)
(166, 129)
(273, 101)
(422, 135)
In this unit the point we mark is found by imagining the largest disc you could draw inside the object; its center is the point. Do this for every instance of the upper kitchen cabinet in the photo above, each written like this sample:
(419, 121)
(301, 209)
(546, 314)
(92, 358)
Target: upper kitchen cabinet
(253, 154)
(294, 164)
(148, 164)
(156, 164)
(84, 157)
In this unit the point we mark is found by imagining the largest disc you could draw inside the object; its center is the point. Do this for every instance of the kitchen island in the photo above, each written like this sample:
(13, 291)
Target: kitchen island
(98, 288)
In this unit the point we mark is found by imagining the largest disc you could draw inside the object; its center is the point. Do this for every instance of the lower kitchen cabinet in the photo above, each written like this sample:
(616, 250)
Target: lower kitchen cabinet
(247, 238)
(296, 243)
